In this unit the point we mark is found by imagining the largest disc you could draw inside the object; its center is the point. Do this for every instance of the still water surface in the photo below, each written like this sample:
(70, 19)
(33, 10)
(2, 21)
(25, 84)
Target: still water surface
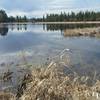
(38, 42)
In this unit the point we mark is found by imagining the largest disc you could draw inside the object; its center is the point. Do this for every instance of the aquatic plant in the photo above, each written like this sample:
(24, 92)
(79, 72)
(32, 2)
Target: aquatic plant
(7, 96)
(93, 32)
(52, 83)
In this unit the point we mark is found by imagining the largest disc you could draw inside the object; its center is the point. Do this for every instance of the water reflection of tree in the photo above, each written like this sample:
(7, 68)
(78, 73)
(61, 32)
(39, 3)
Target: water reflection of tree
(3, 31)
(25, 26)
(62, 27)
(21, 27)
(12, 27)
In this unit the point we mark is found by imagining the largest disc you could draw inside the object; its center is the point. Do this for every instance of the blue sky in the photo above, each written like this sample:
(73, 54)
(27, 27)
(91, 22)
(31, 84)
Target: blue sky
(37, 8)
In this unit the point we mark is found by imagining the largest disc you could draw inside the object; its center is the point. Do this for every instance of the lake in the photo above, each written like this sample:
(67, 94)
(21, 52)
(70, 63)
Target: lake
(31, 43)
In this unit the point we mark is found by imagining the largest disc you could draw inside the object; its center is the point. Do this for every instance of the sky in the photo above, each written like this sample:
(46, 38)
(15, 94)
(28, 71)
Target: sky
(38, 8)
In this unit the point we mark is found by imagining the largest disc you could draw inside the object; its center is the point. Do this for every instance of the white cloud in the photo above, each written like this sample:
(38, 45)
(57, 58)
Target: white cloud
(40, 7)
(40, 13)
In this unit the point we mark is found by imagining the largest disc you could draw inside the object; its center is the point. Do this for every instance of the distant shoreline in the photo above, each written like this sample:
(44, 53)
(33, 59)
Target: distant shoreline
(78, 22)
(81, 22)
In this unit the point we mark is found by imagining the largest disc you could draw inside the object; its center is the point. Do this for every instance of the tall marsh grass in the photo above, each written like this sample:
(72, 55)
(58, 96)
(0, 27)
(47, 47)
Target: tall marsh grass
(51, 82)
(83, 32)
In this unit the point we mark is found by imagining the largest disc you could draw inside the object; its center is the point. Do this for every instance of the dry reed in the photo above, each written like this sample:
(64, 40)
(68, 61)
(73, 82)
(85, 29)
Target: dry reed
(82, 32)
(52, 83)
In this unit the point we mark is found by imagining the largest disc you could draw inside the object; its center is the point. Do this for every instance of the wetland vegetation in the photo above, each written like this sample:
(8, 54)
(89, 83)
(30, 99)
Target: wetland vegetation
(46, 71)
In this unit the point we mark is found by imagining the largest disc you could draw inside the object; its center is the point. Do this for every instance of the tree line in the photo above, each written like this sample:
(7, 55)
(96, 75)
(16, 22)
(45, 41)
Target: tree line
(4, 18)
(80, 16)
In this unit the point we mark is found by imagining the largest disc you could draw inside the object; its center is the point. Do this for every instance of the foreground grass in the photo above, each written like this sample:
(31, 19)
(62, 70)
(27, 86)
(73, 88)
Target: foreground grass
(53, 83)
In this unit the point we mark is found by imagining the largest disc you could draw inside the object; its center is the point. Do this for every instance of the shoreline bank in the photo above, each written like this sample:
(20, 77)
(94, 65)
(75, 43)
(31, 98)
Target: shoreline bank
(81, 22)
(77, 22)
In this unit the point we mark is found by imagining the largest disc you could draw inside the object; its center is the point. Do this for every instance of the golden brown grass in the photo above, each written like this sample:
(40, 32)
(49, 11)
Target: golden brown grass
(7, 96)
(82, 32)
(51, 83)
